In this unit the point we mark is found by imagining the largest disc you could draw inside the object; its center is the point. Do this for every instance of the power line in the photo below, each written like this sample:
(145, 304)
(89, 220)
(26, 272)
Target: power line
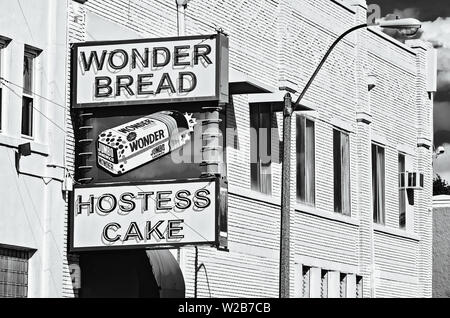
(33, 93)
(25, 18)
(34, 108)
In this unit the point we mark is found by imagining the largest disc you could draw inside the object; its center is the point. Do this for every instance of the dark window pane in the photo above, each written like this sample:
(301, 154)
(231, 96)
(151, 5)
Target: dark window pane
(310, 162)
(402, 192)
(378, 184)
(261, 149)
(27, 74)
(300, 140)
(342, 186)
(359, 287)
(305, 149)
(337, 162)
(345, 174)
(254, 170)
(27, 116)
(374, 184)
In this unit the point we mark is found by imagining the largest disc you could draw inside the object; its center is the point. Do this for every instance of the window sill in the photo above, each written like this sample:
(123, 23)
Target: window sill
(14, 142)
(302, 208)
(396, 232)
(27, 137)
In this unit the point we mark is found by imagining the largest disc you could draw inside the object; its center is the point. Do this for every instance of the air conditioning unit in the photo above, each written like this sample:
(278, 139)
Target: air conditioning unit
(411, 181)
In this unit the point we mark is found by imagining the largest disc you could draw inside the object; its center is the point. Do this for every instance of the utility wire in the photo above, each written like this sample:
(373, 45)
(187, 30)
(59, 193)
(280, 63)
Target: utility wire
(25, 18)
(34, 108)
(33, 93)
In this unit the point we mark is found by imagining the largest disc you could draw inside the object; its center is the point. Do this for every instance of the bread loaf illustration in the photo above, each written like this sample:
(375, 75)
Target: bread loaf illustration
(126, 147)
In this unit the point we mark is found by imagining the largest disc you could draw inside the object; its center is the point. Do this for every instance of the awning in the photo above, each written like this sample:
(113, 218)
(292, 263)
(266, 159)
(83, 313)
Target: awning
(241, 83)
(167, 273)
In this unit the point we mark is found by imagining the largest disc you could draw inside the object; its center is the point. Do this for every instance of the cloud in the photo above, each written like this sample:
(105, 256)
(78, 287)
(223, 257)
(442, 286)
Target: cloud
(407, 13)
(442, 164)
(437, 32)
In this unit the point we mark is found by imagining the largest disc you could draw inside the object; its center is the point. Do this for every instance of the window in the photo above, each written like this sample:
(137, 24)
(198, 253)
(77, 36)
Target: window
(3, 43)
(306, 281)
(324, 284)
(28, 87)
(359, 287)
(27, 98)
(305, 145)
(378, 184)
(261, 148)
(343, 286)
(402, 190)
(341, 153)
(13, 273)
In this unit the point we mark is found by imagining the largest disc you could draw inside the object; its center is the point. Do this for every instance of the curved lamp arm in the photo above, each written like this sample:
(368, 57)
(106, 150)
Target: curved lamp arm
(322, 62)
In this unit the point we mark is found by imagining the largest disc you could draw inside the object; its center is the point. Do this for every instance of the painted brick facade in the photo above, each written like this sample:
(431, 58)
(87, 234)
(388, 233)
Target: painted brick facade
(280, 42)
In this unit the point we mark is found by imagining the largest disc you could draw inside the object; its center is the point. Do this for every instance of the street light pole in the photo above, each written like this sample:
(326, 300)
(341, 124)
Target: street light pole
(286, 198)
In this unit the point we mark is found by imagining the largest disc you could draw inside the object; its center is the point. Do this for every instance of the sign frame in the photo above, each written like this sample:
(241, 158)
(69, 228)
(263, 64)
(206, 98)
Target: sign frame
(222, 72)
(217, 195)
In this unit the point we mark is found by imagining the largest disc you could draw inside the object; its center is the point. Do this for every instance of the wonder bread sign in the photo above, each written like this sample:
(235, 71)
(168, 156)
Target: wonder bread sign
(150, 71)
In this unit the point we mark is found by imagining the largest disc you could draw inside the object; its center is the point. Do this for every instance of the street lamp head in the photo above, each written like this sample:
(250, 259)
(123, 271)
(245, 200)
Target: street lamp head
(407, 27)
(440, 150)
(182, 3)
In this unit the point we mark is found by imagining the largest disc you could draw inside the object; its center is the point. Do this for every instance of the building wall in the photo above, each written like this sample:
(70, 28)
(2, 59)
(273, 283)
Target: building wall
(441, 246)
(33, 205)
(280, 43)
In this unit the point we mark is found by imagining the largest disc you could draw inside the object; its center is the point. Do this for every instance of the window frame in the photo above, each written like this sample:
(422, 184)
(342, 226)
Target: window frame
(4, 42)
(256, 124)
(402, 194)
(375, 213)
(313, 184)
(324, 274)
(306, 281)
(28, 95)
(359, 284)
(343, 285)
(22, 260)
(341, 133)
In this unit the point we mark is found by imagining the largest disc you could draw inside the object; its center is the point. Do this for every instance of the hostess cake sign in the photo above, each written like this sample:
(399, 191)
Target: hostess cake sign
(128, 146)
(144, 215)
(151, 71)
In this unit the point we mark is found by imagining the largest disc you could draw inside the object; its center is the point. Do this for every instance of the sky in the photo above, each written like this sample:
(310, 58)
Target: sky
(435, 15)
